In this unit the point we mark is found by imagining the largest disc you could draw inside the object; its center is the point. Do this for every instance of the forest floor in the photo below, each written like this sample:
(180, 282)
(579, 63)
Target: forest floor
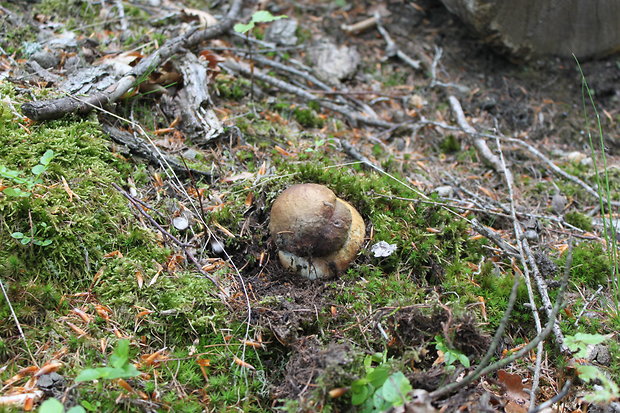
(137, 267)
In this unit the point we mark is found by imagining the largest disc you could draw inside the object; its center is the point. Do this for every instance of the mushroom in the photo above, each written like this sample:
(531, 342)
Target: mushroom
(317, 233)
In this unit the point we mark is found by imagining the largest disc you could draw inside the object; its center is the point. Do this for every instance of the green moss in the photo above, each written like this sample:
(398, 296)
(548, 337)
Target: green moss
(232, 88)
(579, 220)
(308, 118)
(76, 207)
(590, 265)
(450, 144)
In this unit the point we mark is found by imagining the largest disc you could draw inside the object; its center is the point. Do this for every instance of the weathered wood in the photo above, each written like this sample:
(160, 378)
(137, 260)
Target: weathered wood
(192, 103)
(528, 28)
(57, 108)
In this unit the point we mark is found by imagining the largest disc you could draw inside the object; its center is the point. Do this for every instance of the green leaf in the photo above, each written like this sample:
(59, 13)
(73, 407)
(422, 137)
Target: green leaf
(16, 192)
(47, 157)
(88, 406)
(18, 235)
(588, 373)
(243, 28)
(88, 375)
(51, 406)
(120, 356)
(263, 16)
(76, 409)
(378, 376)
(10, 174)
(25, 240)
(38, 169)
(395, 389)
(112, 373)
(580, 341)
(43, 243)
(359, 395)
(609, 389)
(463, 359)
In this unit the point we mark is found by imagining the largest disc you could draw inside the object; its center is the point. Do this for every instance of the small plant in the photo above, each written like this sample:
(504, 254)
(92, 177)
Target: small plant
(54, 406)
(28, 182)
(608, 390)
(261, 16)
(120, 366)
(450, 355)
(380, 389)
(25, 239)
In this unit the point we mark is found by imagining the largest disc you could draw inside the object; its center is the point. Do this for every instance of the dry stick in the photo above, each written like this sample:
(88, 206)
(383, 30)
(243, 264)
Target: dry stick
(56, 108)
(355, 117)
(480, 144)
(481, 370)
(392, 49)
(435, 82)
(587, 303)
(544, 295)
(554, 399)
(551, 166)
(528, 282)
(549, 163)
(342, 98)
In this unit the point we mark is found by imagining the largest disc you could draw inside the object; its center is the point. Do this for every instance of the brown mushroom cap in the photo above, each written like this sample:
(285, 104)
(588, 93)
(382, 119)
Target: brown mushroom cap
(317, 234)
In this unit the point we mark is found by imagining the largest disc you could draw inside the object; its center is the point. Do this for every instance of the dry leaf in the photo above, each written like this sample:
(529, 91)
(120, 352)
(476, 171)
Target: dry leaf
(514, 391)
(114, 254)
(244, 364)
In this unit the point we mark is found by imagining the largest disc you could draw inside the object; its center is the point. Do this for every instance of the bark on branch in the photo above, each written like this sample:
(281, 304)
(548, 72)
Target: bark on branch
(57, 108)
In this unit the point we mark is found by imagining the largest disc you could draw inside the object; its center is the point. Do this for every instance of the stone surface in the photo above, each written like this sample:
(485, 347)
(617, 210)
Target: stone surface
(334, 63)
(282, 32)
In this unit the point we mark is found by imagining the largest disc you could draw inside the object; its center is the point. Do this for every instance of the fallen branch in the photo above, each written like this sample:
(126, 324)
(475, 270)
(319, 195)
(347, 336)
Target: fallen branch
(480, 144)
(57, 108)
(354, 117)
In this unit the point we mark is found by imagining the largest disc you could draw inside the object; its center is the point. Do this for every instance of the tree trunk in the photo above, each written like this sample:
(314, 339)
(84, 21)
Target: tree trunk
(530, 28)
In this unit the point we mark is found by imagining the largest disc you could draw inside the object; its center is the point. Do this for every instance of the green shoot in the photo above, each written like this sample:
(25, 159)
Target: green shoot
(602, 184)
(261, 16)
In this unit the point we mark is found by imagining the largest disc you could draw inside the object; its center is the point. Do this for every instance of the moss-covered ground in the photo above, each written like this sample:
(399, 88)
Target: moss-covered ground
(84, 269)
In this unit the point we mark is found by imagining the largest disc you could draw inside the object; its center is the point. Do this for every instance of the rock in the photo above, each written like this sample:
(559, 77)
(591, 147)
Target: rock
(558, 203)
(46, 58)
(52, 384)
(445, 191)
(282, 32)
(334, 63)
(190, 154)
(599, 353)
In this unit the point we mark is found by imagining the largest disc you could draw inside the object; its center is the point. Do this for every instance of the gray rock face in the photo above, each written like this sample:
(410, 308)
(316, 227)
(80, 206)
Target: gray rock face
(334, 63)
(282, 32)
(529, 28)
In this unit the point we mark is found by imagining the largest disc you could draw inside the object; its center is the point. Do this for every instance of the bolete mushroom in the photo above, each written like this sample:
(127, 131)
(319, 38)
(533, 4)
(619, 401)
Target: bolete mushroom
(317, 233)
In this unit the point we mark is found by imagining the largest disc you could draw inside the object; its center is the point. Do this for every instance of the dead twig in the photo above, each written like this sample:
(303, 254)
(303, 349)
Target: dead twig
(480, 144)
(530, 292)
(56, 108)
(554, 399)
(392, 50)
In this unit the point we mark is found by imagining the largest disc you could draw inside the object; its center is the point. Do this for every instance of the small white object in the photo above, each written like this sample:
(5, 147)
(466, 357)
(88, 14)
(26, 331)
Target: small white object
(181, 223)
(383, 249)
